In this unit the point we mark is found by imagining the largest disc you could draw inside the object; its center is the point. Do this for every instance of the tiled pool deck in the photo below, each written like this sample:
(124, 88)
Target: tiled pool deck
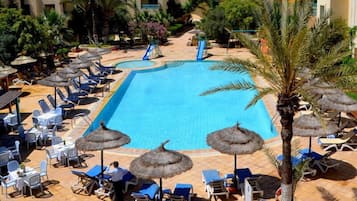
(339, 183)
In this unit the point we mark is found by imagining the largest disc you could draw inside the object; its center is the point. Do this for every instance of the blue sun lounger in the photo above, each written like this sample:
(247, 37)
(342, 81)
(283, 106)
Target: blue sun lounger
(185, 190)
(209, 176)
(147, 192)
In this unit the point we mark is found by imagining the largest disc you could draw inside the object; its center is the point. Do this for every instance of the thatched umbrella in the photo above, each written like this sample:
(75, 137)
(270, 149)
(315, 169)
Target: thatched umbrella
(91, 56)
(54, 80)
(100, 51)
(338, 102)
(309, 125)
(319, 87)
(100, 139)
(70, 73)
(22, 60)
(79, 63)
(235, 140)
(7, 70)
(160, 163)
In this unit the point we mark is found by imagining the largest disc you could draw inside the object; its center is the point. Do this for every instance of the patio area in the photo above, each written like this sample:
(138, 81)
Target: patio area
(339, 183)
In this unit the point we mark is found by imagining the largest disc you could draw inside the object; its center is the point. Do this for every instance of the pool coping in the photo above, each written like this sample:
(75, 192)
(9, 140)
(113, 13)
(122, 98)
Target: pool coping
(81, 127)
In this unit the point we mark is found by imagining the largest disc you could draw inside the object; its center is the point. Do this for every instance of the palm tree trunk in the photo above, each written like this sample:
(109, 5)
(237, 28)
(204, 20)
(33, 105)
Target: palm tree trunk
(286, 111)
(106, 28)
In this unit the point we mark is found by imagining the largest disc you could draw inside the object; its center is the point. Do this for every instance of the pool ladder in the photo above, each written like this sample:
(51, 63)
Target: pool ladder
(83, 116)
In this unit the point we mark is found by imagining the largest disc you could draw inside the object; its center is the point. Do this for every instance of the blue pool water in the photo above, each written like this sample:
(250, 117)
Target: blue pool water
(155, 105)
(135, 64)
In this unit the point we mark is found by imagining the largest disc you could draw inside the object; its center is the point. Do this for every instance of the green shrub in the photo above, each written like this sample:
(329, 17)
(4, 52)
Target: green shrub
(175, 28)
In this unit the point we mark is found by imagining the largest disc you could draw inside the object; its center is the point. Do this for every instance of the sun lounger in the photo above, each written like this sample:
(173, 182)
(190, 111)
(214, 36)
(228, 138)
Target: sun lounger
(214, 183)
(128, 179)
(209, 176)
(182, 192)
(216, 188)
(242, 174)
(146, 193)
(328, 143)
(296, 161)
(84, 183)
(323, 162)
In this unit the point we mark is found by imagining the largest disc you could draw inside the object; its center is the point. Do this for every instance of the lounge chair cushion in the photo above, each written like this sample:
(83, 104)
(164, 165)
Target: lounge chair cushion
(209, 176)
(149, 190)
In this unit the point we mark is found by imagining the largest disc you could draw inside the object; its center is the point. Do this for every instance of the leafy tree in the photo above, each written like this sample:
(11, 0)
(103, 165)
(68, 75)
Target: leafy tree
(214, 24)
(240, 13)
(290, 40)
(56, 33)
(8, 39)
(80, 21)
(174, 8)
(30, 34)
(108, 11)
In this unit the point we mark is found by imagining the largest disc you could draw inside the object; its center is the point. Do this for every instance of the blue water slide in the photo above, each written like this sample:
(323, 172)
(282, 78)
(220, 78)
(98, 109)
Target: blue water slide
(148, 52)
(201, 49)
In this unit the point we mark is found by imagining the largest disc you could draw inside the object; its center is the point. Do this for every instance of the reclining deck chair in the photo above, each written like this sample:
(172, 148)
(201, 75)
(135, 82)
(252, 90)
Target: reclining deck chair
(182, 192)
(84, 183)
(214, 184)
(323, 162)
(296, 161)
(146, 193)
(330, 142)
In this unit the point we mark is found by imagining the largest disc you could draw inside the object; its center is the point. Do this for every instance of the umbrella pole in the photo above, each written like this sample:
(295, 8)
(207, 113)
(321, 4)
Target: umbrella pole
(55, 98)
(101, 163)
(234, 171)
(309, 145)
(160, 196)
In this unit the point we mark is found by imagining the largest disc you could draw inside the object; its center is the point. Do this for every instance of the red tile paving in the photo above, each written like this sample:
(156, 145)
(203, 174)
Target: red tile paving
(339, 183)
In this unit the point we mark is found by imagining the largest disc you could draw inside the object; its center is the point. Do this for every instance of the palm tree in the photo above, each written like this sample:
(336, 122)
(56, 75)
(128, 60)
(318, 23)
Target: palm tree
(108, 10)
(294, 47)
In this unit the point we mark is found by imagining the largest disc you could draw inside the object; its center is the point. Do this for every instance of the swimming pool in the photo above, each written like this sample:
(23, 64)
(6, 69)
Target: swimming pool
(135, 64)
(154, 105)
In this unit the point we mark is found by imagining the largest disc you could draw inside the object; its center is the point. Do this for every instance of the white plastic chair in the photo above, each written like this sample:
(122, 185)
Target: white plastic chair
(72, 155)
(56, 140)
(13, 166)
(6, 183)
(43, 169)
(4, 159)
(16, 150)
(30, 139)
(50, 154)
(34, 182)
(35, 115)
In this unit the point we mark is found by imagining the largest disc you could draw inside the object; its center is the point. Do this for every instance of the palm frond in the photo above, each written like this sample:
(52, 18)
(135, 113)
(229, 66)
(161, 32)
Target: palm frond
(240, 85)
(261, 93)
(231, 65)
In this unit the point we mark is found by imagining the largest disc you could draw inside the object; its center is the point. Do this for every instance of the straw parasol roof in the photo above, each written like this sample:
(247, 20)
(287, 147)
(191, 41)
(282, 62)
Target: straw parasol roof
(70, 73)
(100, 139)
(319, 87)
(91, 56)
(21, 60)
(309, 125)
(339, 102)
(160, 163)
(235, 140)
(100, 51)
(7, 70)
(54, 80)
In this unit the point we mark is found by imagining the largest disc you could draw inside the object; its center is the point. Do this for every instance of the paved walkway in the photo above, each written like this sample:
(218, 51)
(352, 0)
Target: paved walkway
(339, 183)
